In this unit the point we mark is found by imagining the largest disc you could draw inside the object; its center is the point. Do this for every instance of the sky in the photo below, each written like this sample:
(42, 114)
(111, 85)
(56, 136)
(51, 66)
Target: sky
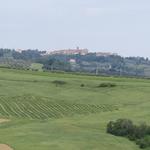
(120, 26)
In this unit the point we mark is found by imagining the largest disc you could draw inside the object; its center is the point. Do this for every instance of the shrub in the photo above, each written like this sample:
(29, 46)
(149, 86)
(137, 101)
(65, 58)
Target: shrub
(141, 131)
(107, 85)
(122, 127)
(143, 143)
(125, 128)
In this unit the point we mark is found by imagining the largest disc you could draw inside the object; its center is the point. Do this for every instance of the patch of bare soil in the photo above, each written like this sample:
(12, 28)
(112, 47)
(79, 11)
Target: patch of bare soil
(5, 147)
(4, 120)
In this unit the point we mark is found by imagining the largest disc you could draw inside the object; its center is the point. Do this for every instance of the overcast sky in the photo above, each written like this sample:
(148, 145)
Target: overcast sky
(121, 26)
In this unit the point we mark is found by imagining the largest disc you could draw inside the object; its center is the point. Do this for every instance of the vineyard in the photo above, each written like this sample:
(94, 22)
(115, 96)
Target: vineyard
(39, 108)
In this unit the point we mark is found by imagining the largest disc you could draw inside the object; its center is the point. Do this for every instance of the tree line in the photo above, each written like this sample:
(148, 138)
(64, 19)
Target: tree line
(90, 63)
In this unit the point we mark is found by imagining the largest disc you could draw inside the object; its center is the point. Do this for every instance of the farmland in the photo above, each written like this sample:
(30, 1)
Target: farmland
(44, 116)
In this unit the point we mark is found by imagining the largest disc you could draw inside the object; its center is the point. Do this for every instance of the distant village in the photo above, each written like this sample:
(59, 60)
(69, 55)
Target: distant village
(75, 51)
(75, 60)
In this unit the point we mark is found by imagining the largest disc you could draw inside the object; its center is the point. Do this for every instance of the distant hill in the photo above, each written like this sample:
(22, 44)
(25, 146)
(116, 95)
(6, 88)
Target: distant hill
(93, 63)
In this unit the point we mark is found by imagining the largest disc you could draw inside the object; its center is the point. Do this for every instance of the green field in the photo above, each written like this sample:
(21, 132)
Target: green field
(46, 116)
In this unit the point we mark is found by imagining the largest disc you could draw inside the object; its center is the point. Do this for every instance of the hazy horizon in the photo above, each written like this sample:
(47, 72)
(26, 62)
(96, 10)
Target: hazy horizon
(121, 27)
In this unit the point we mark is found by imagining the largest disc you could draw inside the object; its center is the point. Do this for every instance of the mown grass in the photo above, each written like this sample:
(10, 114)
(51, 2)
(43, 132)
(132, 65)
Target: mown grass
(82, 113)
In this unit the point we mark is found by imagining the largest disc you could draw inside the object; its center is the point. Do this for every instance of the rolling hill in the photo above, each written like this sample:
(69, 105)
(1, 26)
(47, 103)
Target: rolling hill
(71, 116)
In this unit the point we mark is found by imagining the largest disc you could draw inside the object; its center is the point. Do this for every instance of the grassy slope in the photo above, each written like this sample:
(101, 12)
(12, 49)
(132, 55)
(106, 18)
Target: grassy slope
(79, 132)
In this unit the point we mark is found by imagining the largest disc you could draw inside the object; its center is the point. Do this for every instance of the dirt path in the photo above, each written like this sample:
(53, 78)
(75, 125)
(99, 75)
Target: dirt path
(5, 147)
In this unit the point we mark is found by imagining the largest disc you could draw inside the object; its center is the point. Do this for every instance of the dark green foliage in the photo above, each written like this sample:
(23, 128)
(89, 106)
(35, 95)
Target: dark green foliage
(55, 64)
(107, 85)
(27, 54)
(143, 143)
(82, 85)
(125, 128)
(122, 127)
(141, 131)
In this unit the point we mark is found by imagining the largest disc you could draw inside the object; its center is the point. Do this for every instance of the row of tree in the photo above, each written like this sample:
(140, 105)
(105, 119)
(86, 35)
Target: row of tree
(90, 63)
(110, 65)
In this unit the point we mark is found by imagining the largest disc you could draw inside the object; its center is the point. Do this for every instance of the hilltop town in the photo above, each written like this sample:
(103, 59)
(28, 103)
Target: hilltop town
(75, 60)
(77, 50)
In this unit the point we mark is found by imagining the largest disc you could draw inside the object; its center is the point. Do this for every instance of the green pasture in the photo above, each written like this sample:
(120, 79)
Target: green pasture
(46, 116)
